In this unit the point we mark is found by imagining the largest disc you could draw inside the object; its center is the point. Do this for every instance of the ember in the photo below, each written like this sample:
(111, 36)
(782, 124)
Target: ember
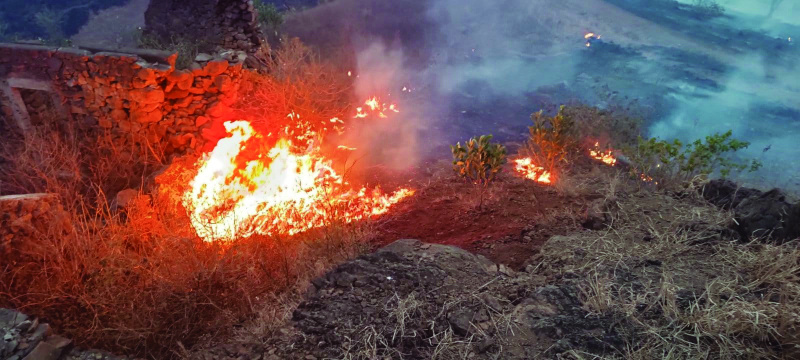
(529, 170)
(240, 190)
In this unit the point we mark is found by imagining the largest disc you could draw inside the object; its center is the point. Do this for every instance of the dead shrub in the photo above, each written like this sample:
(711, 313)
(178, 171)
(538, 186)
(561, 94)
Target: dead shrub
(296, 88)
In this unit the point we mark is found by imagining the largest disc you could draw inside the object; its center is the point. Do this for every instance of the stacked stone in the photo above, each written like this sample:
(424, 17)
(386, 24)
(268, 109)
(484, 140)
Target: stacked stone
(26, 219)
(28, 339)
(230, 24)
(133, 100)
(239, 24)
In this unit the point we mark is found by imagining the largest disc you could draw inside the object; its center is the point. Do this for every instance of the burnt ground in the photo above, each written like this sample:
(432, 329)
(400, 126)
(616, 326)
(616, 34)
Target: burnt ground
(516, 217)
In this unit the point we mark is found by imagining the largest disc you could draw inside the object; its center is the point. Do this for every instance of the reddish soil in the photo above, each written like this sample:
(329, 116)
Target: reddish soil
(517, 216)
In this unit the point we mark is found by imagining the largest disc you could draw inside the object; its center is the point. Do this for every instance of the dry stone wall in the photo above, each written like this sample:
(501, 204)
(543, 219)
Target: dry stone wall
(230, 24)
(27, 219)
(130, 98)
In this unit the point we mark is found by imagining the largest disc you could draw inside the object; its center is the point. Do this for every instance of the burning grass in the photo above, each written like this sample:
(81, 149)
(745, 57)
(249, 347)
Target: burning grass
(140, 281)
(138, 278)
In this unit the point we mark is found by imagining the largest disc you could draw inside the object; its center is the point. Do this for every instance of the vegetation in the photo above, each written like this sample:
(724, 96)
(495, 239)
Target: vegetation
(295, 80)
(137, 280)
(709, 8)
(552, 139)
(478, 160)
(664, 160)
(23, 17)
(269, 16)
(187, 49)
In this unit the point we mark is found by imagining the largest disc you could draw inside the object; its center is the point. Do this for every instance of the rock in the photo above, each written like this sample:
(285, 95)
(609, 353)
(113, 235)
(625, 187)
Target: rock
(726, 194)
(216, 67)
(768, 215)
(177, 94)
(124, 198)
(201, 120)
(149, 95)
(144, 117)
(10, 318)
(183, 79)
(461, 321)
(201, 57)
(44, 351)
(595, 217)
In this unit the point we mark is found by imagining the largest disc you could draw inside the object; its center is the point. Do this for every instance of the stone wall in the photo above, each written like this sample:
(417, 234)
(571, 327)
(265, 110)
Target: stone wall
(25, 220)
(133, 98)
(230, 24)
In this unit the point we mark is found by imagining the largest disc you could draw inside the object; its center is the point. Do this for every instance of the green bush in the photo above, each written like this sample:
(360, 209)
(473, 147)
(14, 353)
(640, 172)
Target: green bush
(268, 15)
(552, 139)
(478, 160)
(667, 160)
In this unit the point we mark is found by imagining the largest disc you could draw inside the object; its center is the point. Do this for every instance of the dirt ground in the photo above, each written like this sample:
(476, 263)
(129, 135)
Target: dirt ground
(514, 219)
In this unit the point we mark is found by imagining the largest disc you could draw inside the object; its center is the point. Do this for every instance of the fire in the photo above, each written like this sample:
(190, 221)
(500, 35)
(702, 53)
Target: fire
(529, 170)
(605, 156)
(239, 191)
(375, 106)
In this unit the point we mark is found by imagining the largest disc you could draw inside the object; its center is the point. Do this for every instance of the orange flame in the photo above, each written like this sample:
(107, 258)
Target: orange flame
(529, 170)
(280, 192)
(605, 156)
(376, 107)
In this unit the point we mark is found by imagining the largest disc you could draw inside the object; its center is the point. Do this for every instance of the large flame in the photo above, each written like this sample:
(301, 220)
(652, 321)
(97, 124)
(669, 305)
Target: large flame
(238, 193)
(531, 171)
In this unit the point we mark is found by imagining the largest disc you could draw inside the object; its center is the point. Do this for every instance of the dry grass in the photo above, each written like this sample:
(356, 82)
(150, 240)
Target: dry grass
(664, 266)
(295, 82)
(139, 281)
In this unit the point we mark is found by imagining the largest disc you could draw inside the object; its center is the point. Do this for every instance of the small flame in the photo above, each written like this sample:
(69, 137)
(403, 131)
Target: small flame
(588, 36)
(529, 170)
(375, 106)
(605, 156)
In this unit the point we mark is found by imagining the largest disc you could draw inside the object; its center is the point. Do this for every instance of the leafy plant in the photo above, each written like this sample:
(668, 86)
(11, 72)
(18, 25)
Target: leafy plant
(269, 15)
(51, 21)
(552, 139)
(478, 160)
(672, 160)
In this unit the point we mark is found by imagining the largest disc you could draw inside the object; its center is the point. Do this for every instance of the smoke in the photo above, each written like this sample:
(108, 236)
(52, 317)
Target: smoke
(757, 99)
(480, 67)
(475, 59)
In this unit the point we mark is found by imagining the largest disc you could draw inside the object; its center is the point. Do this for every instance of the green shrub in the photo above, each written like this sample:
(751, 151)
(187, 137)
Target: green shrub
(552, 139)
(52, 21)
(268, 15)
(478, 160)
(667, 160)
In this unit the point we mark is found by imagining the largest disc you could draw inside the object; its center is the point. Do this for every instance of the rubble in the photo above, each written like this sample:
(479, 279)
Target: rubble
(24, 338)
